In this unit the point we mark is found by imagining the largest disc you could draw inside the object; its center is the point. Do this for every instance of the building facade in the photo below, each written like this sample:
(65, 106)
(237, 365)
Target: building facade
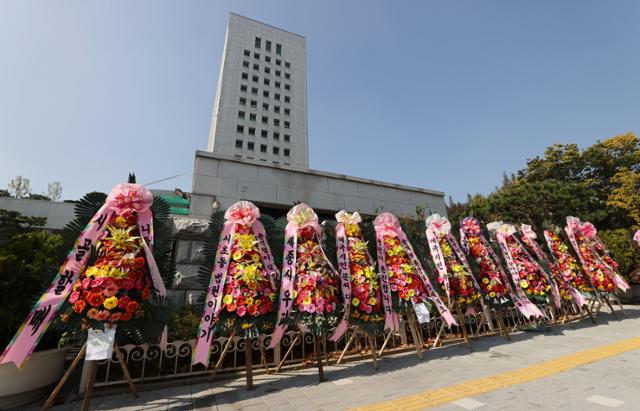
(260, 110)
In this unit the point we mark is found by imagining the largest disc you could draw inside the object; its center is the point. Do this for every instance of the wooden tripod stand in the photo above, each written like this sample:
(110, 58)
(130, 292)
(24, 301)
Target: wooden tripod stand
(93, 370)
(355, 331)
(248, 358)
(319, 349)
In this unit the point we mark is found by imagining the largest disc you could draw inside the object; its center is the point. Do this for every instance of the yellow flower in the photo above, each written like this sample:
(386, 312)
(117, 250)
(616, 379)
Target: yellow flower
(122, 238)
(246, 242)
(372, 301)
(352, 229)
(355, 301)
(228, 299)
(524, 283)
(412, 293)
(369, 273)
(485, 280)
(237, 255)
(492, 294)
(255, 258)
(407, 268)
(110, 302)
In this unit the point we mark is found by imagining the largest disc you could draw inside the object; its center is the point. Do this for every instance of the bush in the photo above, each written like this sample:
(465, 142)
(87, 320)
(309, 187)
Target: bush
(622, 248)
(184, 323)
(28, 262)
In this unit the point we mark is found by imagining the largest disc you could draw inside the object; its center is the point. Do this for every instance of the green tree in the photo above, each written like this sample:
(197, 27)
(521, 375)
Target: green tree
(27, 261)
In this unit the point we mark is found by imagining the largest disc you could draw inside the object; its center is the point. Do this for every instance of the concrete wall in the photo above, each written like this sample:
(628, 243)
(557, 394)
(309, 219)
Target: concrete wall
(228, 180)
(57, 214)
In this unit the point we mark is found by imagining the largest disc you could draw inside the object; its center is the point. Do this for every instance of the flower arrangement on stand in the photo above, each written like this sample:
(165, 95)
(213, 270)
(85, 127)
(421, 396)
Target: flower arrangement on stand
(598, 266)
(362, 290)
(454, 272)
(243, 281)
(526, 272)
(566, 262)
(492, 279)
(118, 289)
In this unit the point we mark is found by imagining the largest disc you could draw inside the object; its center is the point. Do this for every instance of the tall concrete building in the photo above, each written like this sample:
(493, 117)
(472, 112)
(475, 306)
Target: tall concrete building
(258, 145)
(260, 111)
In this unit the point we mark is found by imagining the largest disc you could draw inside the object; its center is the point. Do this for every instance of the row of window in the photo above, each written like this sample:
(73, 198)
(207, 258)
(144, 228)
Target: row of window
(251, 146)
(252, 130)
(265, 93)
(265, 106)
(257, 43)
(266, 69)
(265, 120)
(267, 59)
(265, 81)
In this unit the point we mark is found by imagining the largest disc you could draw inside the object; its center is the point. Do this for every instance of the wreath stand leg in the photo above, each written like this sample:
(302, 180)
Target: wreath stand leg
(384, 344)
(483, 320)
(248, 361)
(317, 349)
(125, 370)
(223, 354)
(263, 355)
(593, 320)
(372, 346)
(504, 330)
(415, 334)
(437, 342)
(324, 350)
(606, 300)
(64, 378)
(354, 332)
(284, 358)
(463, 326)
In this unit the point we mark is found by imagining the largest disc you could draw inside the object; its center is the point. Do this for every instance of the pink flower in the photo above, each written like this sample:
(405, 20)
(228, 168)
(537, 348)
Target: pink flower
(128, 284)
(86, 282)
(139, 285)
(241, 310)
(123, 301)
(110, 290)
(74, 297)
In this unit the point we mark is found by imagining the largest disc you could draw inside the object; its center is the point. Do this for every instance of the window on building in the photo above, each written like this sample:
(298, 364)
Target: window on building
(267, 59)
(238, 143)
(243, 87)
(287, 99)
(265, 120)
(263, 148)
(267, 45)
(278, 73)
(247, 53)
(287, 124)
(254, 104)
(277, 96)
(278, 84)
(256, 56)
(254, 78)
(240, 128)
(287, 64)
(257, 42)
(278, 62)
(265, 106)
(287, 152)
(250, 145)
(252, 116)
(243, 101)
(266, 82)
(245, 64)
(278, 48)
(276, 109)
(287, 75)
(265, 93)
(276, 150)
(264, 133)
(256, 66)
(252, 131)
(287, 111)
(267, 70)
(254, 90)
(276, 136)
(276, 122)
(245, 76)
(287, 138)
(287, 86)
(241, 115)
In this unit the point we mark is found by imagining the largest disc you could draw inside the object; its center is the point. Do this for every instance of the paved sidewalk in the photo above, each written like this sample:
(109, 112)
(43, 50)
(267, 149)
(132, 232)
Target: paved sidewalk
(611, 383)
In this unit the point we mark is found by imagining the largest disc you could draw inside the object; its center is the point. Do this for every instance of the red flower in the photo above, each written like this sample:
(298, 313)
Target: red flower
(95, 299)
(79, 306)
(132, 306)
(125, 317)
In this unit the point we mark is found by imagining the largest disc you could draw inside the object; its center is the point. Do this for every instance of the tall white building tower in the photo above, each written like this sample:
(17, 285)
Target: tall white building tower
(260, 111)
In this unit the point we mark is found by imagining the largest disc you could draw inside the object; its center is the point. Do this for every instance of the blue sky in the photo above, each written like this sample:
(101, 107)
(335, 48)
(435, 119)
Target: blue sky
(442, 95)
